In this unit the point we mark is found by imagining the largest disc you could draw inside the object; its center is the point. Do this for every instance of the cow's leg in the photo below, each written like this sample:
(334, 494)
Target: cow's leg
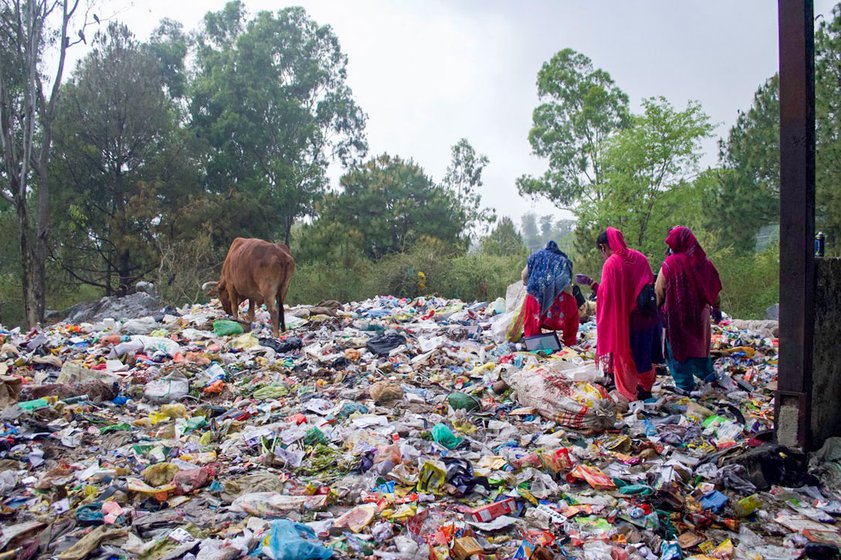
(281, 312)
(251, 308)
(233, 296)
(272, 305)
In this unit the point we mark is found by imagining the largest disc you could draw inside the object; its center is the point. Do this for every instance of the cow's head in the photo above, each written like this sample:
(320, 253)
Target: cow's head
(218, 289)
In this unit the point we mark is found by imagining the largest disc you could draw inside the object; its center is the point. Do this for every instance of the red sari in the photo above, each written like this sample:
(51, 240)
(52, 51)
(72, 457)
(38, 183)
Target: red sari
(562, 316)
(624, 274)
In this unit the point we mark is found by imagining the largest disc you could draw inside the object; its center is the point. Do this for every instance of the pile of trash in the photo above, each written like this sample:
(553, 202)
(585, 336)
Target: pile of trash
(390, 428)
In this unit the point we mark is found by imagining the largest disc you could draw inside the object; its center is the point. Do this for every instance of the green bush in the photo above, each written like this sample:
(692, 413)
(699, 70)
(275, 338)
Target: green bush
(480, 277)
(751, 282)
(446, 272)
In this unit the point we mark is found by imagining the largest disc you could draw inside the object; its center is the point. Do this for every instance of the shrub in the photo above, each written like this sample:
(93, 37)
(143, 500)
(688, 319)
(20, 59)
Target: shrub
(751, 282)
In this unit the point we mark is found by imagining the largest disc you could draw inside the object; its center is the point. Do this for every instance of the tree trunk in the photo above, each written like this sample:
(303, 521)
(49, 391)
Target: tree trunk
(30, 307)
(42, 239)
(287, 229)
(125, 272)
(108, 273)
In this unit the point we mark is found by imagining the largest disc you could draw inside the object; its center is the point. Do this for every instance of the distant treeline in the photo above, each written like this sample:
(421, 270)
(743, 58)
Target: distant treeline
(146, 159)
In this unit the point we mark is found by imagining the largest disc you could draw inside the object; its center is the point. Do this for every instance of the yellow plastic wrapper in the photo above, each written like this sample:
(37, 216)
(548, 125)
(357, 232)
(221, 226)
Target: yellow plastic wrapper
(432, 477)
(244, 342)
(160, 473)
(405, 512)
(174, 410)
(157, 418)
(199, 458)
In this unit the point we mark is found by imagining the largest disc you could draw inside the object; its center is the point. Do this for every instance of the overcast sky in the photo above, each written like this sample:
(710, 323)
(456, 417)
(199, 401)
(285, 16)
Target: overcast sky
(428, 72)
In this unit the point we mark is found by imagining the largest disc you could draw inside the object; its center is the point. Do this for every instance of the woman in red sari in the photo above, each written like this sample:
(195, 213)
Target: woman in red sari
(550, 303)
(627, 334)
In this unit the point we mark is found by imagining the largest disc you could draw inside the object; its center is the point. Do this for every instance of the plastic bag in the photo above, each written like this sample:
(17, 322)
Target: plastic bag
(385, 343)
(227, 328)
(294, 541)
(144, 325)
(273, 504)
(574, 404)
(506, 323)
(173, 387)
(444, 436)
(153, 344)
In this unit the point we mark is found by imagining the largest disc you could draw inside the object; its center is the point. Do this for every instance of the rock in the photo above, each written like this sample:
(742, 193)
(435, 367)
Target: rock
(146, 288)
(773, 312)
(133, 306)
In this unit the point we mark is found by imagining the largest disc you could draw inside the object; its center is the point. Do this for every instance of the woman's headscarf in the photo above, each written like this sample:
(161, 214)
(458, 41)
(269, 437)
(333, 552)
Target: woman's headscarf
(692, 283)
(624, 274)
(550, 272)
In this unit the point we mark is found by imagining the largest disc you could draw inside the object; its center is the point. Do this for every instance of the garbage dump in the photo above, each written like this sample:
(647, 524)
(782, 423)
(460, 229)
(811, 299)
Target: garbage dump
(390, 428)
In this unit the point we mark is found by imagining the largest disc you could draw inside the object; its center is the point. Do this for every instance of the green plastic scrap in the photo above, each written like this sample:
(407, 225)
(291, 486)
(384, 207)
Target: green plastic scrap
(713, 419)
(271, 392)
(315, 436)
(224, 327)
(444, 436)
(121, 427)
(462, 401)
(194, 423)
(351, 408)
(37, 404)
(636, 490)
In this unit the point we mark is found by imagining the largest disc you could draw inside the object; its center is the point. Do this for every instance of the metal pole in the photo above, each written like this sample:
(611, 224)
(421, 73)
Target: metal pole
(797, 221)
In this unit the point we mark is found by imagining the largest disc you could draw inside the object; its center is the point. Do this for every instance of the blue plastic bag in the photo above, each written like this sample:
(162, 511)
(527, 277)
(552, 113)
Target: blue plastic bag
(714, 501)
(288, 541)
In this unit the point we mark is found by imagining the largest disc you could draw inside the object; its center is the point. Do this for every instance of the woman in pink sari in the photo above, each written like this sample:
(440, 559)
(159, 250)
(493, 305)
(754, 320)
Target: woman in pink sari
(627, 332)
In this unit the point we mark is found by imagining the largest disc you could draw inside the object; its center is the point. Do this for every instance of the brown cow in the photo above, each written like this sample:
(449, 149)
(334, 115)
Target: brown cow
(257, 271)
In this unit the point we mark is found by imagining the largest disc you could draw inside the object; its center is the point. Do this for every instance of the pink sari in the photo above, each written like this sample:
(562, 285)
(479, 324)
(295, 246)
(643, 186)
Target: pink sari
(692, 286)
(624, 275)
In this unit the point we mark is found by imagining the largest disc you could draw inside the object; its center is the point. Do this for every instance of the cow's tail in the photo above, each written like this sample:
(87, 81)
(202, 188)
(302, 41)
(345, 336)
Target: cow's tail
(280, 312)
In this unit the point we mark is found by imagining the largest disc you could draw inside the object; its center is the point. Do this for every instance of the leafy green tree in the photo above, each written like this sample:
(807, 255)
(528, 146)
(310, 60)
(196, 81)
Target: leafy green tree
(747, 194)
(747, 197)
(271, 100)
(657, 156)
(504, 240)
(170, 45)
(123, 168)
(386, 206)
(581, 108)
(464, 178)
(828, 127)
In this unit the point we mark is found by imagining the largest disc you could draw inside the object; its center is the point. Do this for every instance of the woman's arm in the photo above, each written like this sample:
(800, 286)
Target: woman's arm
(660, 288)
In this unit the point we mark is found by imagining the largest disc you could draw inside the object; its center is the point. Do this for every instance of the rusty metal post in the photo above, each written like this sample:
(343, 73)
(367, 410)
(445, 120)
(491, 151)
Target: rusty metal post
(797, 221)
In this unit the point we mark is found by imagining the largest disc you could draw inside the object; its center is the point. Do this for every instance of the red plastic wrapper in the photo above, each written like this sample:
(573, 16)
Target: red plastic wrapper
(556, 460)
(592, 476)
(492, 511)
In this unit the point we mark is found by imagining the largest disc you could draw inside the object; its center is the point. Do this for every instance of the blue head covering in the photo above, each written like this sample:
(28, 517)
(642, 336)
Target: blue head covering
(550, 272)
